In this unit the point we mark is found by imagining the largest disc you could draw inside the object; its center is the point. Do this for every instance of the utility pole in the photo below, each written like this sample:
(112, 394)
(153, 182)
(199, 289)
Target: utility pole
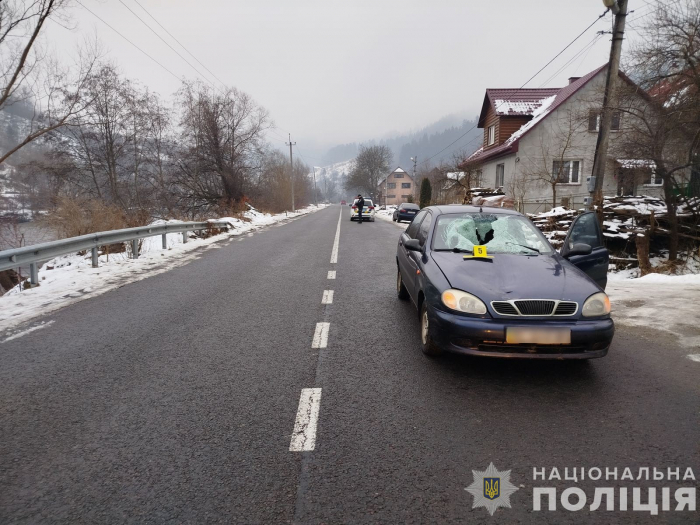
(595, 184)
(315, 201)
(415, 161)
(291, 165)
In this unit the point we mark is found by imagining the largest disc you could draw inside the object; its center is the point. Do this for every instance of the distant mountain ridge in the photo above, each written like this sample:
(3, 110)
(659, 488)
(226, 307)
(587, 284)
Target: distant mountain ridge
(423, 143)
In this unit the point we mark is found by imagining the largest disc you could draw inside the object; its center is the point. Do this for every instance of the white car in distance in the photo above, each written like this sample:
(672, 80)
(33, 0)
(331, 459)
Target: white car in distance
(367, 211)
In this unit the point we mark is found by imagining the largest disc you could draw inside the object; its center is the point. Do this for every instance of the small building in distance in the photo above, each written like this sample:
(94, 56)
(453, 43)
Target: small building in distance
(396, 188)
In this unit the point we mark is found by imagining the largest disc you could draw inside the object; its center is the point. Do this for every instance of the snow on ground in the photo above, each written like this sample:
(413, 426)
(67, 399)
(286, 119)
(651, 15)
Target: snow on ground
(662, 302)
(73, 278)
(388, 215)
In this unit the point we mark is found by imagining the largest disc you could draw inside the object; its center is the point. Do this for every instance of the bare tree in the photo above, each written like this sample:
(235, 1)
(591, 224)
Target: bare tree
(221, 144)
(371, 164)
(28, 72)
(663, 113)
(551, 165)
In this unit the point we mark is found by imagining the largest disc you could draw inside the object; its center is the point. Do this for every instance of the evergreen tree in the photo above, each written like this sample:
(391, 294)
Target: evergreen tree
(426, 193)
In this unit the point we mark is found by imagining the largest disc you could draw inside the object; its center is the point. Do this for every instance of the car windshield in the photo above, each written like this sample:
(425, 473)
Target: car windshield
(410, 207)
(500, 233)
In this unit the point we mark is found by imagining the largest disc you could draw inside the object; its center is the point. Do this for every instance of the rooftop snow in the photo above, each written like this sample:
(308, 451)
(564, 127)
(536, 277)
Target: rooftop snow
(538, 115)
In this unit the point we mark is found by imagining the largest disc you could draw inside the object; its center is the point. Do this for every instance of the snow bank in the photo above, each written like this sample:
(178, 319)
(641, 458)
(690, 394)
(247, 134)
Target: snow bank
(659, 302)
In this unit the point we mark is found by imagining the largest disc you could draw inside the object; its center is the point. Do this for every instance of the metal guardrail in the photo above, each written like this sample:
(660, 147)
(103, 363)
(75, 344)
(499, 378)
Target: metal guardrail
(37, 253)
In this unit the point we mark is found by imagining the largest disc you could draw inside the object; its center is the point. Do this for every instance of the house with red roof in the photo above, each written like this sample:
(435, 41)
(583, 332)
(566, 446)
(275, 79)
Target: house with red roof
(539, 145)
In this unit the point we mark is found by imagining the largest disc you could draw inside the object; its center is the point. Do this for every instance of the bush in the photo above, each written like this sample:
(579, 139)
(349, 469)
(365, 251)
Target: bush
(73, 217)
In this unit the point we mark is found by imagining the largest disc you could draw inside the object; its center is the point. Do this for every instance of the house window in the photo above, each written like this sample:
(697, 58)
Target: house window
(405, 196)
(391, 196)
(398, 175)
(594, 121)
(500, 175)
(405, 185)
(566, 172)
(651, 178)
(492, 134)
(391, 185)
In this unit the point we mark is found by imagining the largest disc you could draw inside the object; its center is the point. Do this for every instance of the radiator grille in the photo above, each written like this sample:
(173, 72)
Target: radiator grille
(535, 307)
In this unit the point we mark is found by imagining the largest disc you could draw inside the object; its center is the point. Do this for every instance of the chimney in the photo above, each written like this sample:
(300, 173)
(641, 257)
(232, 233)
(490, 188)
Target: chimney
(573, 79)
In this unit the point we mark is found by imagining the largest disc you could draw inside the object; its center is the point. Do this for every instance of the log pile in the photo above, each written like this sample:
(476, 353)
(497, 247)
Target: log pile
(626, 218)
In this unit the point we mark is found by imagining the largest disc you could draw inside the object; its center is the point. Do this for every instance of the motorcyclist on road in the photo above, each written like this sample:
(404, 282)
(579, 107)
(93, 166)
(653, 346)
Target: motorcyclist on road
(360, 203)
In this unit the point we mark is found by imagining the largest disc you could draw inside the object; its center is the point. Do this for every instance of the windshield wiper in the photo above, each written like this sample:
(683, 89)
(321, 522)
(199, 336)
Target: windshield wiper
(524, 246)
(453, 250)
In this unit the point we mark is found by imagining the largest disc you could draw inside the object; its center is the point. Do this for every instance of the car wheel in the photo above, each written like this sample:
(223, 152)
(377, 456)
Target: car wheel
(428, 346)
(394, 219)
(400, 288)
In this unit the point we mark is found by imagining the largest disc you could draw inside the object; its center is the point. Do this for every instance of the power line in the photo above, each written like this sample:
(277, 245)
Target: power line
(523, 85)
(179, 43)
(304, 158)
(587, 47)
(167, 44)
(125, 38)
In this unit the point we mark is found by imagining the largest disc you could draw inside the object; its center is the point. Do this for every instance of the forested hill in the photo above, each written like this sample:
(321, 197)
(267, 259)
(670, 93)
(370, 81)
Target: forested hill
(423, 143)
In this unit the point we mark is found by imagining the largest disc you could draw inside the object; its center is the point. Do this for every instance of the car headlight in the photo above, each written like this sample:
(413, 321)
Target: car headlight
(463, 302)
(596, 305)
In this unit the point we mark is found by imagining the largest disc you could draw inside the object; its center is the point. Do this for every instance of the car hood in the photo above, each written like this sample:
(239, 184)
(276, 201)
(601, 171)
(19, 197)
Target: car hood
(509, 276)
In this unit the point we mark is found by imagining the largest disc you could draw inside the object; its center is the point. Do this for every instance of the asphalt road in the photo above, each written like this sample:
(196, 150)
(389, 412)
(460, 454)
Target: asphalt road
(174, 399)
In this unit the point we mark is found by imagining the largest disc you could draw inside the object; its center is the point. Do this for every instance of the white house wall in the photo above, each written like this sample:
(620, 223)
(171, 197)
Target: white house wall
(544, 143)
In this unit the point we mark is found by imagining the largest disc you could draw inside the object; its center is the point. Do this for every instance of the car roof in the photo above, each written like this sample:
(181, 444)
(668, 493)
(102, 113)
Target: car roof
(467, 208)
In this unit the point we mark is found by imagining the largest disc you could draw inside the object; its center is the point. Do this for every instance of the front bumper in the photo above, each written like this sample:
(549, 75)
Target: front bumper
(487, 337)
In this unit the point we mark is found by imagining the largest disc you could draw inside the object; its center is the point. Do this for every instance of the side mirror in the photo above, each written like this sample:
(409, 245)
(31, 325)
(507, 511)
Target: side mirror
(412, 244)
(578, 249)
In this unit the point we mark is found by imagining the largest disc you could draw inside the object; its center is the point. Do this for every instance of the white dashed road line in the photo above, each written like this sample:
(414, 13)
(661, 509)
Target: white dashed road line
(327, 297)
(304, 435)
(334, 253)
(321, 335)
(331, 274)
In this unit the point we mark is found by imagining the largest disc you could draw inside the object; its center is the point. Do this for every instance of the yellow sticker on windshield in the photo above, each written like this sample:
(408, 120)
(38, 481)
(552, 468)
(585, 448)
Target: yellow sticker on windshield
(480, 251)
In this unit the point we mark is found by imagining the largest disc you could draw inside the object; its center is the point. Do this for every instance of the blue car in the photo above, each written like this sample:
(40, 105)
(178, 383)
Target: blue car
(405, 212)
(487, 282)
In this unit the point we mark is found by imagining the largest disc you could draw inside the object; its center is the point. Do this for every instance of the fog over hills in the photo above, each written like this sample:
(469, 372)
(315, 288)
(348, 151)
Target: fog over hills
(422, 143)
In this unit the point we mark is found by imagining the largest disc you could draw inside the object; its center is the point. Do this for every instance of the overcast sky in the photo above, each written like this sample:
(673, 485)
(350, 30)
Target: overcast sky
(332, 71)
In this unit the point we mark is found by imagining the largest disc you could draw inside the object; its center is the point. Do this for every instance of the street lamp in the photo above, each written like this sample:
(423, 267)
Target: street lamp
(612, 5)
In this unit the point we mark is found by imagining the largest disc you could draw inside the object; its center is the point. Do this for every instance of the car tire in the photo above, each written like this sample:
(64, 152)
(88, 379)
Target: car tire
(427, 344)
(394, 219)
(400, 288)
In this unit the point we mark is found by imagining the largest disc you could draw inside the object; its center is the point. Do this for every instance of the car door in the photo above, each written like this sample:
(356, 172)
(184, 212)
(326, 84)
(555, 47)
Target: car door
(407, 264)
(422, 236)
(586, 230)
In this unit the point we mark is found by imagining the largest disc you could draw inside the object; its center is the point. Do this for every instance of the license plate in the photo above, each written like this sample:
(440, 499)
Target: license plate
(411, 212)
(538, 336)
